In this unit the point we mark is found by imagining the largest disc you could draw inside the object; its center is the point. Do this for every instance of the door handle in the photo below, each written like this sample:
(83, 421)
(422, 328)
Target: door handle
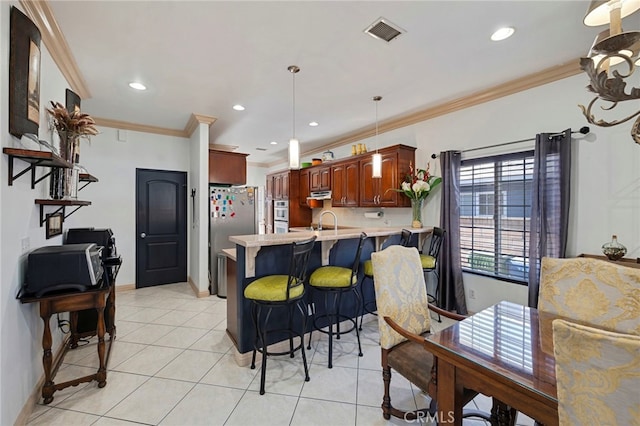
(143, 235)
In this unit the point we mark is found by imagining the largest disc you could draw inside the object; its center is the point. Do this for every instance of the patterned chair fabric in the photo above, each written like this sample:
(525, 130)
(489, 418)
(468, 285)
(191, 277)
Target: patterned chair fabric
(592, 291)
(598, 375)
(398, 272)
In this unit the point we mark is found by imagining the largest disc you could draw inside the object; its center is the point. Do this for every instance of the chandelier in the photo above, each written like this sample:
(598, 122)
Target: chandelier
(613, 47)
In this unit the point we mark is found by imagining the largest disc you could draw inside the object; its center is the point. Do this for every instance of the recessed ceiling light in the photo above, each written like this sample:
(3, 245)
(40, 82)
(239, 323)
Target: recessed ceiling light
(138, 86)
(503, 33)
(313, 124)
(274, 143)
(238, 107)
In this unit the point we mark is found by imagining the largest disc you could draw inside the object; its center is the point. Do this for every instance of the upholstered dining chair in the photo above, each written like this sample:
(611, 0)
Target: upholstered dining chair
(367, 269)
(597, 374)
(591, 291)
(403, 321)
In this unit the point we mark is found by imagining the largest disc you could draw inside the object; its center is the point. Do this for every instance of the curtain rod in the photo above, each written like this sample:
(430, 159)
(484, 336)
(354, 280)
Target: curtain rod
(584, 130)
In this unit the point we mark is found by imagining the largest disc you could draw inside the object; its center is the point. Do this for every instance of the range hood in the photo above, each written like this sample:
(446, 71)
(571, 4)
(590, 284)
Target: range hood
(320, 195)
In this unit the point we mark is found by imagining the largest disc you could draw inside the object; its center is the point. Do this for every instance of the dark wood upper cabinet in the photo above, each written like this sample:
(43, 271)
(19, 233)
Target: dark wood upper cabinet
(377, 192)
(227, 167)
(344, 188)
(305, 189)
(320, 179)
(290, 185)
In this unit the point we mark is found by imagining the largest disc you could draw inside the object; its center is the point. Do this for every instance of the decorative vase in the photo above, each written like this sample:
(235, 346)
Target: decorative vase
(416, 213)
(614, 250)
(63, 183)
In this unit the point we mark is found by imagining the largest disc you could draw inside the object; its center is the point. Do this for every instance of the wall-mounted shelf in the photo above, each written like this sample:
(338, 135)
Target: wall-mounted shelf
(87, 179)
(61, 204)
(36, 159)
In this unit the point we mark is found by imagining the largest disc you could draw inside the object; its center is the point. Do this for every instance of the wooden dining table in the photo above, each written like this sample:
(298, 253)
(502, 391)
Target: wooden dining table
(504, 351)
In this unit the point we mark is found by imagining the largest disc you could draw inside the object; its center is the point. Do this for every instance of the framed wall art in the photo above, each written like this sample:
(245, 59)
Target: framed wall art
(71, 100)
(24, 75)
(54, 225)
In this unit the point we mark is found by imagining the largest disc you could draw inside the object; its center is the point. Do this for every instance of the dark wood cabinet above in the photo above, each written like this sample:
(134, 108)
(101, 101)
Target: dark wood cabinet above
(351, 183)
(227, 167)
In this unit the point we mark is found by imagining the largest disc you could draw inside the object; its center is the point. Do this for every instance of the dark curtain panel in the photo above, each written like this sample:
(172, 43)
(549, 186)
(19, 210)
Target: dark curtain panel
(451, 294)
(549, 205)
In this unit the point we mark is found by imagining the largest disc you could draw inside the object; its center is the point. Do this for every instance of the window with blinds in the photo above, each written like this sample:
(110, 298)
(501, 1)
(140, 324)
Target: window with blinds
(495, 208)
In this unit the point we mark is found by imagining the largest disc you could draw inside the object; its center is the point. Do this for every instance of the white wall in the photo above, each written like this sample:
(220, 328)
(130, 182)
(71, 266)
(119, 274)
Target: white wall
(20, 325)
(113, 198)
(605, 176)
(198, 220)
(256, 175)
(113, 206)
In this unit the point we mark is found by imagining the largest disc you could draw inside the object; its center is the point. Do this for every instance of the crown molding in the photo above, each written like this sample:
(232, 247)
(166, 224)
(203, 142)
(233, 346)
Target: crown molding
(548, 75)
(195, 120)
(125, 125)
(42, 15)
(254, 164)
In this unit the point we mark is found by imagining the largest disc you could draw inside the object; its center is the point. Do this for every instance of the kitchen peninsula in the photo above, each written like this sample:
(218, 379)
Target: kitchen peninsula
(268, 254)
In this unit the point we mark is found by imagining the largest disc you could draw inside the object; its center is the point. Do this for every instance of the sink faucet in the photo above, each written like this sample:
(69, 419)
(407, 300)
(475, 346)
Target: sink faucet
(335, 219)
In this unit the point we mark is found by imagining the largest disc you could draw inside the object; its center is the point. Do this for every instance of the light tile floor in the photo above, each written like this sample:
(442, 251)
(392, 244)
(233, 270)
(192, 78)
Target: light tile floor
(172, 364)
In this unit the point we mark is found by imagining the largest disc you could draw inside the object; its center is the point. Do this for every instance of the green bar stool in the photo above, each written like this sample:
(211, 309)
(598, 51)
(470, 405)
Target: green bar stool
(367, 269)
(430, 263)
(333, 282)
(280, 291)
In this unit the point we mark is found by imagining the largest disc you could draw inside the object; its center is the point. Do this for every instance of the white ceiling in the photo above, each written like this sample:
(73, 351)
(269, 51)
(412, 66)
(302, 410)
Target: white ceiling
(205, 56)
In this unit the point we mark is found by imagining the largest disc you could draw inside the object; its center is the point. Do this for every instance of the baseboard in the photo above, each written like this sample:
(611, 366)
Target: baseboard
(199, 293)
(125, 287)
(36, 394)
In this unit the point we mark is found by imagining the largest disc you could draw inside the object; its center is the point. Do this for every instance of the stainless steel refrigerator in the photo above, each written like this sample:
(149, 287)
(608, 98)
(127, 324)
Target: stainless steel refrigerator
(232, 211)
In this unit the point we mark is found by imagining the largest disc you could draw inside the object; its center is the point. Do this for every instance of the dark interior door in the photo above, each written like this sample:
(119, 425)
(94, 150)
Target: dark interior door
(161, 227)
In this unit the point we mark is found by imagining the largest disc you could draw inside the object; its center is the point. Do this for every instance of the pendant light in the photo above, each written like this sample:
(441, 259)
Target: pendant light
(294, 144)
(377, 158)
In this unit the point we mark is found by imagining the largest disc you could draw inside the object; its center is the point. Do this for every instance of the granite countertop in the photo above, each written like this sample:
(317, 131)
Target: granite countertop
(261, 240)
(230, 253)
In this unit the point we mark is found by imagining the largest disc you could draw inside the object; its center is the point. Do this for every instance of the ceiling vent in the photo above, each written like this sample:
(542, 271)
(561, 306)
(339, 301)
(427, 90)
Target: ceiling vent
(261, 149)
(384, 30)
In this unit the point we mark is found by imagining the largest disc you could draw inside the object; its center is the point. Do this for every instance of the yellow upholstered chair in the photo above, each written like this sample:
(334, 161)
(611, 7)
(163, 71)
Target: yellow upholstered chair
(597, 374)
(285, 292)
(332, 282)
(367, 268)
(591, 291)
(403, 321)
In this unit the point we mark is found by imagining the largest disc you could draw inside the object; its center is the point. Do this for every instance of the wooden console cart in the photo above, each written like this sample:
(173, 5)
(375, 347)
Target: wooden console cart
(97, 298)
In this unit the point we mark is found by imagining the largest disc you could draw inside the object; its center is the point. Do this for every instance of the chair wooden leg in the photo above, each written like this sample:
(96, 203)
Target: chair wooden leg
(502, 414)
(386, 378)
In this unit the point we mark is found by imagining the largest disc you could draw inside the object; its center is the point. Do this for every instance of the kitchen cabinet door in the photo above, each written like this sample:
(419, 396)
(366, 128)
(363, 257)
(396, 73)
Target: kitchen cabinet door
(345, 185)
(320, 179)
(305, 189)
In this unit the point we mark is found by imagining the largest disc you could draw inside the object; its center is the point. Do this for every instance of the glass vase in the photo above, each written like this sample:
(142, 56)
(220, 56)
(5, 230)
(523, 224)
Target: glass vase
(416, 213)
(614, 250)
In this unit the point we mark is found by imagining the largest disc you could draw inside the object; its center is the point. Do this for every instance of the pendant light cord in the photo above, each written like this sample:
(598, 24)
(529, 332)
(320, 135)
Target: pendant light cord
(377, 99)
(294, 104)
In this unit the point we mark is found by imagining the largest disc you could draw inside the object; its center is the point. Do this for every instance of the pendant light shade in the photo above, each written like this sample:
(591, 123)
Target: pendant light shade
(294, 144)
(377, 165)
(377, 158)
(294, 154)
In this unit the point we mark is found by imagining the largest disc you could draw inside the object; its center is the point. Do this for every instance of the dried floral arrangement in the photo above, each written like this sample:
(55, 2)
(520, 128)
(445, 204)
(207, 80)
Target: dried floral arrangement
(74, 123)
